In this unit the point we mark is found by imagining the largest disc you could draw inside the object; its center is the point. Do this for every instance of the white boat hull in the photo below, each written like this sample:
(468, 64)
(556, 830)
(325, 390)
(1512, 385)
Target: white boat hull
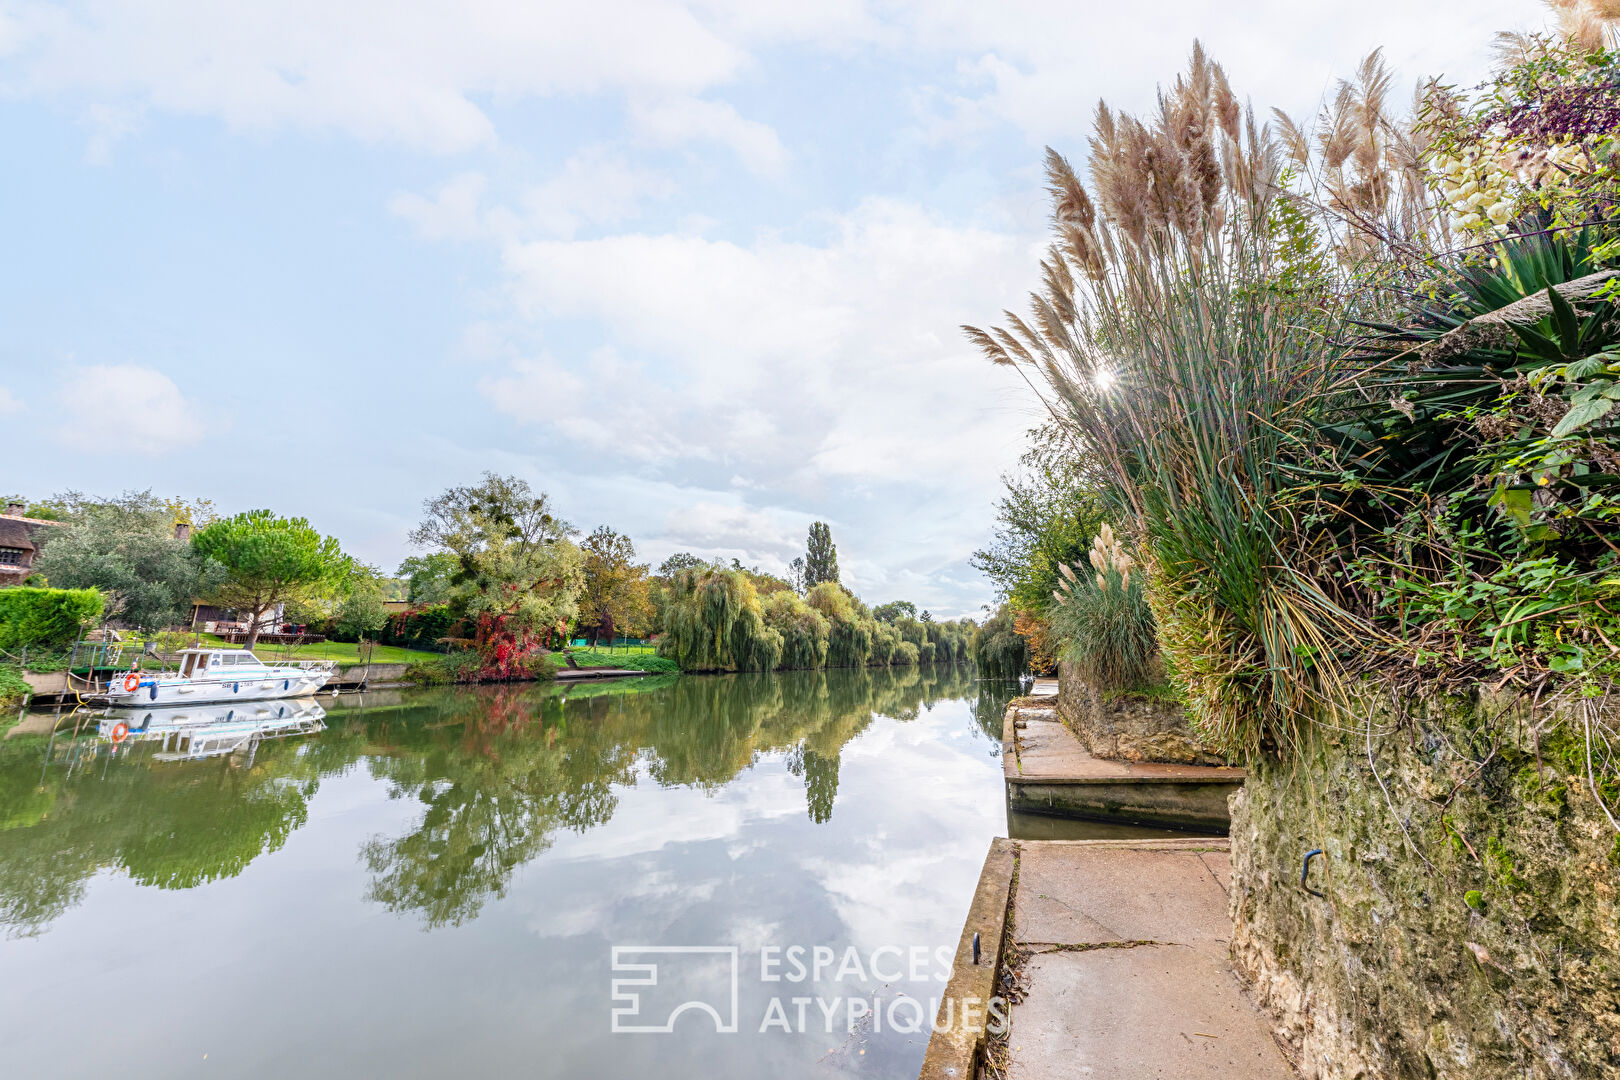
(187, 734)
(159, 688)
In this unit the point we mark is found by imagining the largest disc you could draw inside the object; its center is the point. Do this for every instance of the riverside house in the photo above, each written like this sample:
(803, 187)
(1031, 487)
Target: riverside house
(19, 543)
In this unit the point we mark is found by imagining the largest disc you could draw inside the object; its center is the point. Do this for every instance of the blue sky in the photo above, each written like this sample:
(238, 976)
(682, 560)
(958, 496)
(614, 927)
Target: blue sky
(694, 268)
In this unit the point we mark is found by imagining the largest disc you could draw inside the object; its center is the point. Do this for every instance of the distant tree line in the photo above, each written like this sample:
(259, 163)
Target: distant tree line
(501, 581)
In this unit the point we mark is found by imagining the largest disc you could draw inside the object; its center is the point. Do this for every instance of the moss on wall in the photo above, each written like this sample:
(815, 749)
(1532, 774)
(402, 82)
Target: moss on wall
(1469, 926)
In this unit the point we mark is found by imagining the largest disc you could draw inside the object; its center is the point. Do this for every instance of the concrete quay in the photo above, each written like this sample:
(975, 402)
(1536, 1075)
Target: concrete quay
(1048, 771)
(1113, 961)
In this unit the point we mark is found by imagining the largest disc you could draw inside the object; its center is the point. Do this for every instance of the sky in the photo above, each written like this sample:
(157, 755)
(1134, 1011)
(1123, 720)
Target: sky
(694, 269)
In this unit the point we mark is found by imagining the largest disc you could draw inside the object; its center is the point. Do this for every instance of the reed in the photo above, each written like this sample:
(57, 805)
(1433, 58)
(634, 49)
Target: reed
(1181, 339)
(1103, 618)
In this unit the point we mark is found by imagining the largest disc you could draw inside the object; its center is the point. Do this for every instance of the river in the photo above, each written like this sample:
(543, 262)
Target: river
(451, 882)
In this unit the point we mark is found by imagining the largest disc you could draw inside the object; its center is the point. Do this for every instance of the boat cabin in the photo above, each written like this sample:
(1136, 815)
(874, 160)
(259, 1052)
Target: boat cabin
(195, 663)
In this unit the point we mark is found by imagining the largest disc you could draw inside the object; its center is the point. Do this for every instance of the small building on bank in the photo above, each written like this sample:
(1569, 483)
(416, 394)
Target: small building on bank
(19, 543)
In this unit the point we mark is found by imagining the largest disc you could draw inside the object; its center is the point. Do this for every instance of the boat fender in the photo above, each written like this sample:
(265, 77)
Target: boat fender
(131, 682)
(235, 686)
(286, 683)
(152, 693)
(120, 732)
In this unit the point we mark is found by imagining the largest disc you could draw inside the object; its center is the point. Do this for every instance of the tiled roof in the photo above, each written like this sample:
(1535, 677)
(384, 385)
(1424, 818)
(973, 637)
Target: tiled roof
(14, 534)
(29, 520)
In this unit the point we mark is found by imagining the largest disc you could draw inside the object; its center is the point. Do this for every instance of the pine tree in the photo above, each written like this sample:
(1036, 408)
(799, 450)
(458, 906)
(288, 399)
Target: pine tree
(821, 560)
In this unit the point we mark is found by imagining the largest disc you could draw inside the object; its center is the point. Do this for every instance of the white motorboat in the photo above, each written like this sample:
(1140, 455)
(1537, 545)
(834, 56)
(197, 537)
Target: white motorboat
(186, 734)
(217, 675)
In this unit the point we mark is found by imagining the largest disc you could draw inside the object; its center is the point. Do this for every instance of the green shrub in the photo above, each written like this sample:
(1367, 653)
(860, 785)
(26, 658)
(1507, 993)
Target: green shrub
(46, 618)
(13, 688)
(906, 654)
(419, 628)
(462, 666)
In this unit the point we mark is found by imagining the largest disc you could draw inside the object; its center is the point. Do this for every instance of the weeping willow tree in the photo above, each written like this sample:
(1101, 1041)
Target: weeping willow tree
(885, 644)
(997, 650)
(849, 642)
(713, 622)
(805, 631)
(949, 640)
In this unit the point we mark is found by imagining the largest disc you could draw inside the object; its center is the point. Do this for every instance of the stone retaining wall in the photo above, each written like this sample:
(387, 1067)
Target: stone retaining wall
(1129, 727)
(1469, 925)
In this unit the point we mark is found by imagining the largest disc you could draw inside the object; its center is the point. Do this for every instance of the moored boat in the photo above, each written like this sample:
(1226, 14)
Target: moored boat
(217, 675)
(190, 733)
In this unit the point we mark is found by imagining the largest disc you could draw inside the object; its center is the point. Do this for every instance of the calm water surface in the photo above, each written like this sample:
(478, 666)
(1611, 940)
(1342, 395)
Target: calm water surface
(434, 884)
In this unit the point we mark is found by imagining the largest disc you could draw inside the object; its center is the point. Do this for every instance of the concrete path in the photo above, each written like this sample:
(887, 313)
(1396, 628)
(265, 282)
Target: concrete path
(1121, 947)
(1049, 771)
(1047, 750)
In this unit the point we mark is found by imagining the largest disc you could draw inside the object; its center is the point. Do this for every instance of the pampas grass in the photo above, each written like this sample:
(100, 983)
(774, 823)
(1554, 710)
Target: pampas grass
(1105, 622)
(1217, 360)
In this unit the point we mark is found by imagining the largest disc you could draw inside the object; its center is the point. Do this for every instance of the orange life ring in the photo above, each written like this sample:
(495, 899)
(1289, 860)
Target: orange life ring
(120, 732)
(131, 681)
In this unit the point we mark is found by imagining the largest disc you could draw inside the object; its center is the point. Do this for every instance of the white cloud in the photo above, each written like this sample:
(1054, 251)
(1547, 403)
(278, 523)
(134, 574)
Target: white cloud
(10, 404)
(109, 125)
(421, 73)
(451, 214)
(594, 187)
(400, 72)
(674, 121)
(769, 536)
(1041, 65)
(816, 379)
(125, 407)
(839, 358)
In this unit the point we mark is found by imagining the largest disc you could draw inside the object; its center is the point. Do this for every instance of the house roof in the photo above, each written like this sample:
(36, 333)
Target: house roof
(17, 531)
(14, 533)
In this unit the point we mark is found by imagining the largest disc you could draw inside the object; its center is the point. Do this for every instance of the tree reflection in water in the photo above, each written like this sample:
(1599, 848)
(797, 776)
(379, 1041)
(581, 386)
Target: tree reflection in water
(498, 771)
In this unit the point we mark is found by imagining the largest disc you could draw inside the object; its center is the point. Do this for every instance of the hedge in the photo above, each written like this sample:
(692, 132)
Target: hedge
(46, 618)
(419, 628)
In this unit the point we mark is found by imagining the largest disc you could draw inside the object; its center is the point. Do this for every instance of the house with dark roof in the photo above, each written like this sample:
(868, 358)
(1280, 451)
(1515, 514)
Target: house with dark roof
(19, 542)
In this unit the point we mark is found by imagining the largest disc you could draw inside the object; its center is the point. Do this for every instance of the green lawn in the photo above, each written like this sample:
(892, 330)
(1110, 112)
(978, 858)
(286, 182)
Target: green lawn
(341, 651)
(617, 650)
(643, 659)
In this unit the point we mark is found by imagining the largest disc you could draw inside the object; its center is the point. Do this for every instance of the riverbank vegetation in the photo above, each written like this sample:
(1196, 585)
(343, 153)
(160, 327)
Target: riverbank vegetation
(1345, 392)
(500, 589)
(715, 620)
(1346, 388)
(507, 580)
